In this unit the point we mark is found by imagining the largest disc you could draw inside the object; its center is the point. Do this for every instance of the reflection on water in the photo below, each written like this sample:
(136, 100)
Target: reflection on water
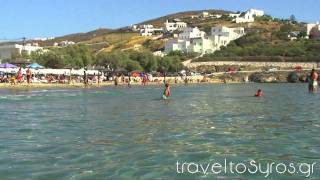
(120, 133)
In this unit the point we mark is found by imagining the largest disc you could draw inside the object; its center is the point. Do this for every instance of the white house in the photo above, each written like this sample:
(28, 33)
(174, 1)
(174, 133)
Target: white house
(222, 35)
(234, 15)
(146, 30)
(217, 16)
(204, 14)
(194, 40)
(64, 43)
(231, 33)
(256, 12)
(149, 30)
(248, 16)
(173, 26)
(43, 38)
(182, 43)
(313, 30)
(6, 51)
(202, 45)
(177, 45)
(189, 33)
(134, 27)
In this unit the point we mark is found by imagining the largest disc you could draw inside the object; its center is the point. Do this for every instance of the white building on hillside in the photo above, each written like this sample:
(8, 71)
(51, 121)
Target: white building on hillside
(43, 38)
(313, 30)
(173, 26)
(134, 27)
(177, 45)
(248, 16)
(230, 33)
(64, 43)
(202, 45)
(194, 40)
(146, 30)
(6, 51)
(204, 14)
(217, 16)
(222, 36)
(256, 12)
(149, 30)
(234, 15)
(189, 33)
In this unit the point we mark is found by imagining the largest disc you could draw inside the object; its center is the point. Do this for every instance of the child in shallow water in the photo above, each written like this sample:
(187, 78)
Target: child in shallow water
(166, 93)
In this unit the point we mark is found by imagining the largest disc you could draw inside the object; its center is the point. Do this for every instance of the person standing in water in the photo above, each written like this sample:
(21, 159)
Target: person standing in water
(19, 76)
(166, 93)
(29, 75)
(129, 81)
(313, 81)
(85, 78)
(99, 77)
(116, 80)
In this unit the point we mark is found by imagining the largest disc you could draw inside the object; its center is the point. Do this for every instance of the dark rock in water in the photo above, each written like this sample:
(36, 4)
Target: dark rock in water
(263, 77)
(255, 77)
(293, 77)
(296, 77)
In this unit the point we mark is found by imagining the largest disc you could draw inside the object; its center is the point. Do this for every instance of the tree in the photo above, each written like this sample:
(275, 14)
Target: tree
(53, 60)
(302, 34)
(15, 55)
(133, 65)
(115, 60)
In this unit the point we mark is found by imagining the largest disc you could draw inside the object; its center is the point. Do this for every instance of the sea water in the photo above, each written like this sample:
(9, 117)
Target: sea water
(130, 133)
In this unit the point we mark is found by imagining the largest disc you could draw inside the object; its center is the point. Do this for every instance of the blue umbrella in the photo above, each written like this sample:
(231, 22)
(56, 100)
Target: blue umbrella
(7, 65)
(35, 66)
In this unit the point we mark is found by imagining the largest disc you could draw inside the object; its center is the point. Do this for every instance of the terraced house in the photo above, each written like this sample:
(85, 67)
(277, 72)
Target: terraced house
(194, 40)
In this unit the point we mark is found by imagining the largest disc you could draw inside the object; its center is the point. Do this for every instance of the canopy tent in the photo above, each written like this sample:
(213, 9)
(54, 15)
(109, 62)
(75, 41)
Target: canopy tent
(35, 66)
(7, 65)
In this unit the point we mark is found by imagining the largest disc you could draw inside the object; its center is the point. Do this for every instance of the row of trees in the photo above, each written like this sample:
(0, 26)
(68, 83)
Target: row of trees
(134, 60)
(72, 56)
(80, 56)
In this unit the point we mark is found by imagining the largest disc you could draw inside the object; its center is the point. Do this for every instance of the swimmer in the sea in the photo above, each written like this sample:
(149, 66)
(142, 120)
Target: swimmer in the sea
(259, 93)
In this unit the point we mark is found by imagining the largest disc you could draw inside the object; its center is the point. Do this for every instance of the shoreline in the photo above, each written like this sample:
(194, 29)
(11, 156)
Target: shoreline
(24, 86)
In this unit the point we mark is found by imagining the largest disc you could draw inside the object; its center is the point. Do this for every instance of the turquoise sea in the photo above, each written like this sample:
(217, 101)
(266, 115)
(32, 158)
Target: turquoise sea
(122, 133)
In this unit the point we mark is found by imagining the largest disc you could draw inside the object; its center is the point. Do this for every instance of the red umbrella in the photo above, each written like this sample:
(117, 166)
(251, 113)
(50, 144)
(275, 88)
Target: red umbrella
(135, 74)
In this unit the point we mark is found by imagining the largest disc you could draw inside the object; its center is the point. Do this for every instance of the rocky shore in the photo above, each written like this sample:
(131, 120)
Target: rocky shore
(263, 77)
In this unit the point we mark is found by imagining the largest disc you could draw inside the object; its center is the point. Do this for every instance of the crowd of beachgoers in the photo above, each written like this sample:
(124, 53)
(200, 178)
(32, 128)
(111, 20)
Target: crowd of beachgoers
(87, 78)
(33, 77)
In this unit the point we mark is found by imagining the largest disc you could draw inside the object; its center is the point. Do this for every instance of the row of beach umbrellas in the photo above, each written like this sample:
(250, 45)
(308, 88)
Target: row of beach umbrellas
(32, 66)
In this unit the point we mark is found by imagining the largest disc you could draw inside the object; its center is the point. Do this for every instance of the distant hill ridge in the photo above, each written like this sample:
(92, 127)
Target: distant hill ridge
(86, 36)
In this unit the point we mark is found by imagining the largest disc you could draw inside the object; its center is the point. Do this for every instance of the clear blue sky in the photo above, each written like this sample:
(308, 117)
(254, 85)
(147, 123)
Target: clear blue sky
(46, 18)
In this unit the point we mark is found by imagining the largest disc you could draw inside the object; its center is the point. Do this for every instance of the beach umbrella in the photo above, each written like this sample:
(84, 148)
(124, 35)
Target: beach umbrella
(135, 74)
(142, 74)
(35, 66)
(7, 65)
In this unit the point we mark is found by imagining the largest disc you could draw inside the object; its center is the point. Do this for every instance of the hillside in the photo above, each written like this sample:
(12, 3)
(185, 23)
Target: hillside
(184, 16)
(265, 37)
(77, 37)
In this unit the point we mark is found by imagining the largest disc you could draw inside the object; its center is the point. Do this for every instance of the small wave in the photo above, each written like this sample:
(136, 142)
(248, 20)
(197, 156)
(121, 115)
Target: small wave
(40, 91)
